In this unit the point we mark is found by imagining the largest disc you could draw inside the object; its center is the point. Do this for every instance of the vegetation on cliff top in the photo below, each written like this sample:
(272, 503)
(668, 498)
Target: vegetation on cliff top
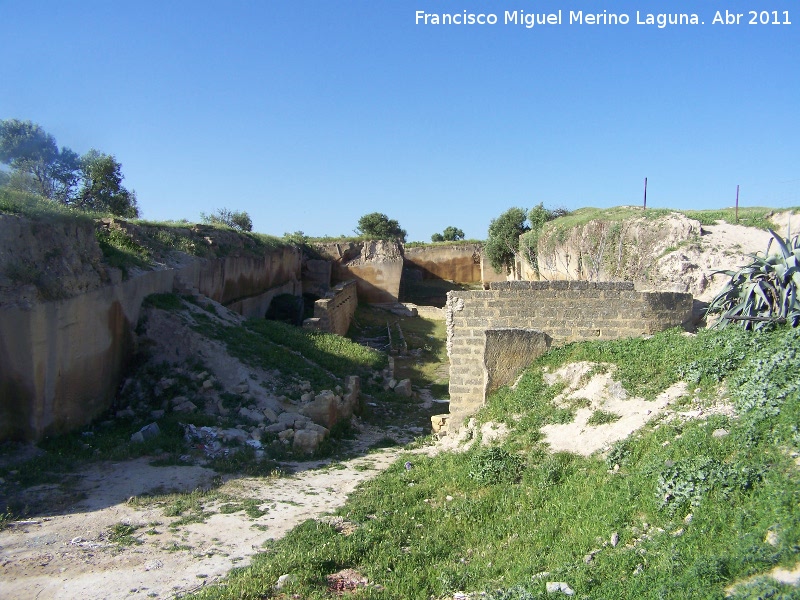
(89, 182)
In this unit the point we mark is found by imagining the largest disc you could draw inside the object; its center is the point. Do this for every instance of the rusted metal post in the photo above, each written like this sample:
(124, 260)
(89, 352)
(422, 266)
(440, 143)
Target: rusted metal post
(737, 203)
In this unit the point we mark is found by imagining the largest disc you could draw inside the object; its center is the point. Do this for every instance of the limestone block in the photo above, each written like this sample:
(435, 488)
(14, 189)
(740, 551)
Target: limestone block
(323, 410)
(507, 352)
(251, 415)
(307, 440)
(289, 418)
(439, 422)
(234, 434)
(276, 428)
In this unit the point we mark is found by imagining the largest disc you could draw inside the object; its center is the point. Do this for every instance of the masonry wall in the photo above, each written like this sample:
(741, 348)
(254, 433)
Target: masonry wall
(565, 311)
(335, 311)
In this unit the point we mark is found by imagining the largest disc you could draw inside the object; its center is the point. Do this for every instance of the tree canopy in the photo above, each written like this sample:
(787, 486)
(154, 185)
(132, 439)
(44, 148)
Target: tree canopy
(238, 220)
(503, 240)
(379, 226)
(450, 234)
(92, 182)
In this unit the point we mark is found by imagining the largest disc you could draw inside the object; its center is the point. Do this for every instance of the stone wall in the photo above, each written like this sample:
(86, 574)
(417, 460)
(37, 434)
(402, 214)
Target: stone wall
(459, 263)
(563, 311)
(335, 311)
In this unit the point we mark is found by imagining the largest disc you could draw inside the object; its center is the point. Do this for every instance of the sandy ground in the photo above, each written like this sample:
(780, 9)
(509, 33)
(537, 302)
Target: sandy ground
(69, 555)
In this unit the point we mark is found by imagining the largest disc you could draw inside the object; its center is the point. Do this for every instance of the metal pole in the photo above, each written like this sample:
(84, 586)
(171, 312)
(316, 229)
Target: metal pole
(737, 203)
(645, 194)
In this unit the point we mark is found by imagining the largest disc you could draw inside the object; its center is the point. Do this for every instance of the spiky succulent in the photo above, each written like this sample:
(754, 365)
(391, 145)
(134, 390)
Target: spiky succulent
(763, 292)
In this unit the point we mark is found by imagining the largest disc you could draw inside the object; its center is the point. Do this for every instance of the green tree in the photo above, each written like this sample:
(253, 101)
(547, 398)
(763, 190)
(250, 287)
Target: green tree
(379, 226)
(238, 220)
(502, 244)
(452, 234)
(102, 188)
(37, 164)
(529, 242)
(437, 237)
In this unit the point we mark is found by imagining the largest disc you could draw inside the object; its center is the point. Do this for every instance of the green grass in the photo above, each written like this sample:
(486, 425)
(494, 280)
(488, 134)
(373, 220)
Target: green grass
(122, 534)
(602, 417)
(489, 520)
(441, 244)
(755, 216)
(299, 354)
(37, 208)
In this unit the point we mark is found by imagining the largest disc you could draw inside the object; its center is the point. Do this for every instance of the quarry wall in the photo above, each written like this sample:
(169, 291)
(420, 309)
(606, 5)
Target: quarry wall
(460, 263)
(61, 360)
(335, 311)
(376, 265)
(510, 324)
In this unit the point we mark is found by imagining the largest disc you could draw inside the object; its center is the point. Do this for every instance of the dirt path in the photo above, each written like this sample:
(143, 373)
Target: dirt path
(74, 555)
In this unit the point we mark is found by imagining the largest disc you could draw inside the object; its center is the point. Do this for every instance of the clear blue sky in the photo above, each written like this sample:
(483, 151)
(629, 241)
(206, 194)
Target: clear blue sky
(308, 114)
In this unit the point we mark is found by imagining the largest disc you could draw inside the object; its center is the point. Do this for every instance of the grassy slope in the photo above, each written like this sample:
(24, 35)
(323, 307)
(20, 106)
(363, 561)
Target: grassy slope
(444, 526)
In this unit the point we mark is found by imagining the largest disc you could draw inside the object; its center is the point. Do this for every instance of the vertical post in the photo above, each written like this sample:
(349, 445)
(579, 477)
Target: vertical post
(645, 194)
(737, 203)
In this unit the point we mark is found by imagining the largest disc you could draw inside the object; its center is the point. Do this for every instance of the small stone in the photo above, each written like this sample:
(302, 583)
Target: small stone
(772, 538)
(137, 438)
(150, 431)
(207, 384)
(403, 388)
(185, 407)
(241, 388)
(553, 587)
(678, 532)
(719, 433)
(283, 580)
(448, 498)
(688, 518)
(614, 539)
(286, 435)
(307, 397)
(270, 415)
(639, 568)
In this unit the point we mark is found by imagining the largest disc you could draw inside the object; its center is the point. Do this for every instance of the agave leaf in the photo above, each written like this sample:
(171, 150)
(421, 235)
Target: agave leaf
(781, 244)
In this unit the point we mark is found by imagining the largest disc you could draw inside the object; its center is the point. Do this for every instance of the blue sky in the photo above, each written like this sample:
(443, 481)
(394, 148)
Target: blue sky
(308, 114)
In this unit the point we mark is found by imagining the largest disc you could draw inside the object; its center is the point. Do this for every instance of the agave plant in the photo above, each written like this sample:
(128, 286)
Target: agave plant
(763, 292)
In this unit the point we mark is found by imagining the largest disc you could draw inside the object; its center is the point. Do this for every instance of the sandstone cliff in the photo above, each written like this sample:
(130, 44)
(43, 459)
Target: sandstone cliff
(671, 252)
(67, 317)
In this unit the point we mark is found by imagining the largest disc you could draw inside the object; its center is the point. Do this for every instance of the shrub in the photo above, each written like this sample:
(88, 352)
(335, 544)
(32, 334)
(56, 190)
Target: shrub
(765, 291)
(495, 465)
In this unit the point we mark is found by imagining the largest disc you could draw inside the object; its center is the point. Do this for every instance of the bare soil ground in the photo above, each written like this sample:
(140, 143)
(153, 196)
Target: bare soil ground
(72, 553)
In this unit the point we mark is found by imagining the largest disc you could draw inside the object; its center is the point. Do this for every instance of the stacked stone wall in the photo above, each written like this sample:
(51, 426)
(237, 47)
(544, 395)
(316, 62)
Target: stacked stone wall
(565, 311)
(335, 311)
